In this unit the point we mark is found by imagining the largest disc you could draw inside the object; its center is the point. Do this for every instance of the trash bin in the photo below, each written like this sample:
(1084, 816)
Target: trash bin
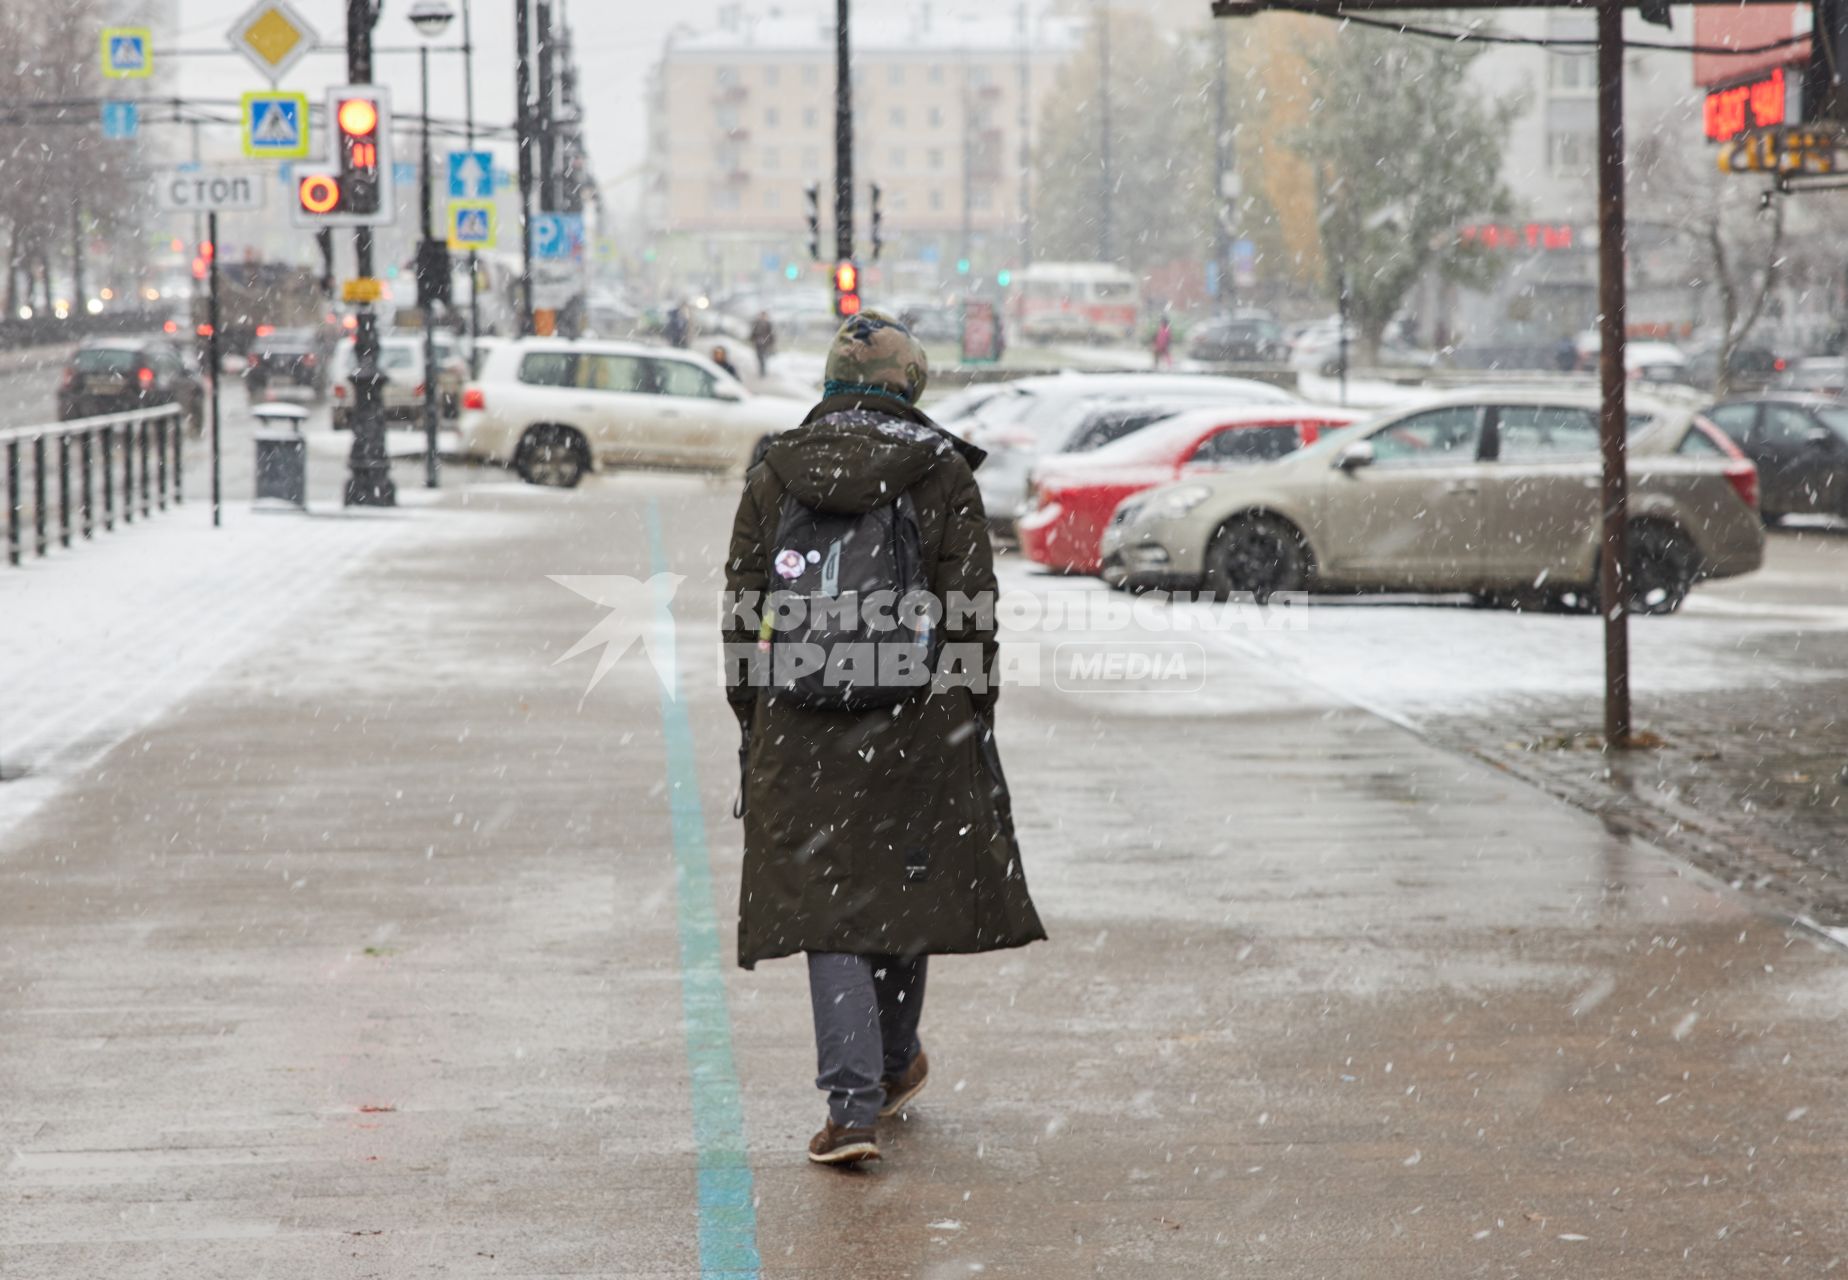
(282, 455)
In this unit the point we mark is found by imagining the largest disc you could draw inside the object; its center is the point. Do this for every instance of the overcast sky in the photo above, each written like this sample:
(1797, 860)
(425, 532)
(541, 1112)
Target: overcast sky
(618, 41)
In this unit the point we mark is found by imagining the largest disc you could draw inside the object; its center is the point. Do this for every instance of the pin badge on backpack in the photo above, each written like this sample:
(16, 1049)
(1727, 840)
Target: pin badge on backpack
(789, 563)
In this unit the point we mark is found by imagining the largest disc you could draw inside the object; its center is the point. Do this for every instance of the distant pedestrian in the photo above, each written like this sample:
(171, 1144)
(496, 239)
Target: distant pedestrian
(723, 360)
(1164, 344)
(763, 341)
(677, 326)
(1565, 355)
(877, 826)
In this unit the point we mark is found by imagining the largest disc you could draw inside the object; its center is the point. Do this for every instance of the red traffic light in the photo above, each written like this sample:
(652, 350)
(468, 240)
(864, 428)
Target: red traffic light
(358, 116)
(319, 193)
(850, 304)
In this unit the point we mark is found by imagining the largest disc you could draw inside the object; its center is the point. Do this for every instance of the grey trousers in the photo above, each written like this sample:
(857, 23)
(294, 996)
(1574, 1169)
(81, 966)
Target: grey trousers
(866, 1028)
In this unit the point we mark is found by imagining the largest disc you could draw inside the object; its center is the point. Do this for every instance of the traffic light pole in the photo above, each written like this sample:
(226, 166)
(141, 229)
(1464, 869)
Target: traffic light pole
(474, 261)
(369, 481)
(843, 142)
(523, 134)
(427, 303)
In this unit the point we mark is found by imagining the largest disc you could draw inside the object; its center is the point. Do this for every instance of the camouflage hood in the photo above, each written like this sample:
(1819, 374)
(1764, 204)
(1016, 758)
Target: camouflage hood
(873, 352)
(852, 454)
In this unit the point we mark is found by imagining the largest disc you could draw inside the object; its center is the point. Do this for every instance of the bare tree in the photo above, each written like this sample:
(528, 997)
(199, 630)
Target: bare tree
(1733, 223)
(1745, 276)
(59, 179)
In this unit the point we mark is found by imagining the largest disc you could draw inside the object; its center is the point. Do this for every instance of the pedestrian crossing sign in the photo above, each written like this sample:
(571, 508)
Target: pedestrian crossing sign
(128, 53)
(471, 225)
(275, 125)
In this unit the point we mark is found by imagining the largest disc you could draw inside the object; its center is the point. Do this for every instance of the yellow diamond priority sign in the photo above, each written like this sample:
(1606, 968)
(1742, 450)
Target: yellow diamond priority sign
(273, 35)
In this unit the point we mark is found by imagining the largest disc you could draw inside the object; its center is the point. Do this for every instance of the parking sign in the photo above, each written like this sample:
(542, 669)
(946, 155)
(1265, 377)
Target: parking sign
(558, 235)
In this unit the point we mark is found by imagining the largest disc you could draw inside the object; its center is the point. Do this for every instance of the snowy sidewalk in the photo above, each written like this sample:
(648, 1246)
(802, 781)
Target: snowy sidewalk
(377, 951)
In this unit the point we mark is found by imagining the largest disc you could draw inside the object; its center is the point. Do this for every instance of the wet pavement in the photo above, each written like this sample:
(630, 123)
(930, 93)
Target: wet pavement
(384, 949)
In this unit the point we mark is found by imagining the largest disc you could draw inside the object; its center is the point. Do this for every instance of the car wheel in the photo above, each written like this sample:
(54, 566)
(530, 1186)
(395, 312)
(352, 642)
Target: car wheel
(1772, 519)
(552, 456)
(1663, 566)
(1331, 368)
(1257, 556)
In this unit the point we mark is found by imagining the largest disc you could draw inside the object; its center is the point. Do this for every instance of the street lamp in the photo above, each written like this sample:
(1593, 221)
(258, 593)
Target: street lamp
(431, 18)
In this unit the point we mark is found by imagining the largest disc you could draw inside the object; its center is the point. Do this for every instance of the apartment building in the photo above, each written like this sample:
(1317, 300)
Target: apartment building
(742, 120)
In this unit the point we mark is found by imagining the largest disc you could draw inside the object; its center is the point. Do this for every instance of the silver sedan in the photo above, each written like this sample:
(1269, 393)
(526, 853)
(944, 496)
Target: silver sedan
(1490, 493)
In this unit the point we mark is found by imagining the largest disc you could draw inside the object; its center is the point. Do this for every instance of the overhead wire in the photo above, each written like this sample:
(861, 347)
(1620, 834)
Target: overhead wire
(1482, 36)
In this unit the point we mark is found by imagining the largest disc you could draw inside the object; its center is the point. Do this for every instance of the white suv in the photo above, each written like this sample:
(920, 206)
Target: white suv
(554, 409)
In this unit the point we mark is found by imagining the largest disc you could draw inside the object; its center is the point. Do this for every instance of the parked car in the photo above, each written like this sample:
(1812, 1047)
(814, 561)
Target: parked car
(1748, 368)
(282, 365)
(115, 375)
(1043, 415)
(1252, 338)
(1496, 496)
(554, 409)
(1317, 349)
(1799, 444)
(1071, 497)
(1819, 375)
(401, 359)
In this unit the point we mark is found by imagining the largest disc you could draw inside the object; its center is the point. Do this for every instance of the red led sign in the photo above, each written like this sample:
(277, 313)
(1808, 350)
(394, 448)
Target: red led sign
(1756, 104)
(1532, 235)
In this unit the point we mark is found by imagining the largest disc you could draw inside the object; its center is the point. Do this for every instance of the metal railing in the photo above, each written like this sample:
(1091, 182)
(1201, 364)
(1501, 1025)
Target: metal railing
(142, 448)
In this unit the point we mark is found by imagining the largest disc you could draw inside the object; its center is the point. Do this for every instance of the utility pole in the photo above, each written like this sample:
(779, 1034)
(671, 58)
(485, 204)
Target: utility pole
(1026, 146)
(546, 125)
(1613, 562)
(474, 261)
(1225, 204)
(968, 160)
(368, 468)
(843, 139)
(523, 133)
(1106, 240)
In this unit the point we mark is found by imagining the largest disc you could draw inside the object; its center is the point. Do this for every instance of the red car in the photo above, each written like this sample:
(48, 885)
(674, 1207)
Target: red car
(1070, 498)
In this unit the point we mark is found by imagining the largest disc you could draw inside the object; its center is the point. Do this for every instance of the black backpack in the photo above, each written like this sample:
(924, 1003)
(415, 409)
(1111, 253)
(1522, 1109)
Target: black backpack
(855, 626)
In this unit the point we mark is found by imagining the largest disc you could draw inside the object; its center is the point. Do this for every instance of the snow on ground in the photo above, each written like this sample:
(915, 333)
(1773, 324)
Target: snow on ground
(101, 640)
(1411, 659)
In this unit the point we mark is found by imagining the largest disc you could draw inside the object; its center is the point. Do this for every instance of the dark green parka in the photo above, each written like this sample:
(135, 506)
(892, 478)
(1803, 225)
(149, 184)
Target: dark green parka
(842, 808)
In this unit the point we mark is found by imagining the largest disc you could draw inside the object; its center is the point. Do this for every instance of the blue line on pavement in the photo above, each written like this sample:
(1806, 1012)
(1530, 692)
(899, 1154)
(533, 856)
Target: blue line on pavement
(727, 1209)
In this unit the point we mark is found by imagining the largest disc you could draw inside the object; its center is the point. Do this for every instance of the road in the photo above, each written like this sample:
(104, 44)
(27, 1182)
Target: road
(347, 932)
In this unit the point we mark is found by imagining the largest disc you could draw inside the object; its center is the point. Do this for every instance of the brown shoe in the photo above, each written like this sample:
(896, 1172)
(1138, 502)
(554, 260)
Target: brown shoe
(838, 1145)
(902, 1089)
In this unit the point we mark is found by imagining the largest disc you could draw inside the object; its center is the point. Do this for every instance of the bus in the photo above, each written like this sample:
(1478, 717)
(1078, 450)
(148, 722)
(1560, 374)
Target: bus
(1091, 301)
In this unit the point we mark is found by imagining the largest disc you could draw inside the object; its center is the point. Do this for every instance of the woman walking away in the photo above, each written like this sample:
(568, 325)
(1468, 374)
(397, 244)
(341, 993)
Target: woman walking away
(877, 828)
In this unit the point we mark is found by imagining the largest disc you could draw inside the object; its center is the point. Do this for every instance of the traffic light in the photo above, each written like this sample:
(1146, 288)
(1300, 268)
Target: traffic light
(962, 266)
(846, 290)
(433, 271)
(353, 185)
(359, 135)
(813, 192)
(878, 237)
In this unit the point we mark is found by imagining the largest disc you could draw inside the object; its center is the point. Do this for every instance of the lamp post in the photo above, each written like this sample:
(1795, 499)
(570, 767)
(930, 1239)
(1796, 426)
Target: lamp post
(431, 18)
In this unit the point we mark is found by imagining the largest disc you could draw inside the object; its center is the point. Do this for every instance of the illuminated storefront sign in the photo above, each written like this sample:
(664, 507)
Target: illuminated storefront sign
(1756, 104)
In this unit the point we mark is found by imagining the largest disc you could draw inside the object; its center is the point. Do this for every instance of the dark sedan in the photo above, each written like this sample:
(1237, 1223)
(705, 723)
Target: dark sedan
(1241, 339)
(114, 375)
(282, 366)
(1800, 443)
